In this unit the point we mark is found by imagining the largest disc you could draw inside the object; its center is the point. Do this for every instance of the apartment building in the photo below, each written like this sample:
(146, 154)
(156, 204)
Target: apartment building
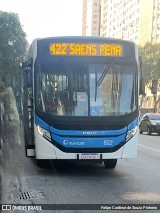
(104, 12)
(149, 25)
(120, 19)
(134, 20)
(91, 18)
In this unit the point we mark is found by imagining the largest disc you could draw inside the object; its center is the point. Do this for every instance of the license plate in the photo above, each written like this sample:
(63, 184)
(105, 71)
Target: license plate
(89, 156)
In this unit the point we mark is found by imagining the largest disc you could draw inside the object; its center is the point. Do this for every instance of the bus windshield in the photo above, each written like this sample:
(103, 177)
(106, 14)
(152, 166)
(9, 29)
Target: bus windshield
(67, 86)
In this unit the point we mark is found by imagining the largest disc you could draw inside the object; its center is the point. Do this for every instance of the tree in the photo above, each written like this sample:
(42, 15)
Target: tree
(12, 47)
(150, 54)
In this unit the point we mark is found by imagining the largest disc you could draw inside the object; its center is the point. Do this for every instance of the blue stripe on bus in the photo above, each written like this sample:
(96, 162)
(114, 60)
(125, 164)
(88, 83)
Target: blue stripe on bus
(82, 142)
(84, 133)
(133, 124)
(88, 133)
(41, 123)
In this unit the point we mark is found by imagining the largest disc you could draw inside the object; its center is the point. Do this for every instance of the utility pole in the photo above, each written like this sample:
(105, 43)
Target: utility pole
(154, 92)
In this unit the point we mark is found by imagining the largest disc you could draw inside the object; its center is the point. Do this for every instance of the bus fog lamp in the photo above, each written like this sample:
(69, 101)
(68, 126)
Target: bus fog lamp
(131, 133)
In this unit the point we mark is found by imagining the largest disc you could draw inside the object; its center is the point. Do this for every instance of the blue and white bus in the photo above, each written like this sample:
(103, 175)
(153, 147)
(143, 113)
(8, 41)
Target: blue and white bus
(81, 99)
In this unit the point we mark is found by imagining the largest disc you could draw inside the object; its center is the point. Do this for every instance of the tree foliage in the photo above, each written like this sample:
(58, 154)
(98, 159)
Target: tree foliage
(12, 46)
(150, 54)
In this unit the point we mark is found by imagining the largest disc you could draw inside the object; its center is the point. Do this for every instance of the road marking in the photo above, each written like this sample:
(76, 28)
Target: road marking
(149, 148)
(142, 196)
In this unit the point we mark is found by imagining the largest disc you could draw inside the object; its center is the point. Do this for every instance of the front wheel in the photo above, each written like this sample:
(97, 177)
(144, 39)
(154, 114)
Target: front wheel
(110, 164)
(140, 130)
(42, 163)
(149, 131)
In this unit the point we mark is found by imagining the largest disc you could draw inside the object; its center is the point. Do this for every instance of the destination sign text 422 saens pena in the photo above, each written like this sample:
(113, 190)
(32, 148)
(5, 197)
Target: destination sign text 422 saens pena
(72, 49)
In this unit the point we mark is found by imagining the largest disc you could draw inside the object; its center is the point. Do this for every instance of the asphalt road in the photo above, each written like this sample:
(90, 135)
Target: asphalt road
(135, 181)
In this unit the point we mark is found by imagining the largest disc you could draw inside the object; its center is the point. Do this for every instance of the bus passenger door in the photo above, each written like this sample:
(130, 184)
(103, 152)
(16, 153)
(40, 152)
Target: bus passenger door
(28, 119)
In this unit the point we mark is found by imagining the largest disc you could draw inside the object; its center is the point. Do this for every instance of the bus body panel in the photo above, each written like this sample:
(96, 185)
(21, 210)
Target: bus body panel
(130, 148)
(45, 150)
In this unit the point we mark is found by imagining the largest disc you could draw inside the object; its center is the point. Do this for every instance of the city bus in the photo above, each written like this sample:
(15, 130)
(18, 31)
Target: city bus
(80, 99)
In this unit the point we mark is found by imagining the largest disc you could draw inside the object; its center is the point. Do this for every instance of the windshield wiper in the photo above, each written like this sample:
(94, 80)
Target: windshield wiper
(106, 69)
(69, 73)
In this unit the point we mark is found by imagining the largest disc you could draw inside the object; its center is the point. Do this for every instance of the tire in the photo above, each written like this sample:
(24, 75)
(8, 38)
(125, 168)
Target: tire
(140, 130)
(149, 131)
(42, 163)
(110, 164)
(158, 133)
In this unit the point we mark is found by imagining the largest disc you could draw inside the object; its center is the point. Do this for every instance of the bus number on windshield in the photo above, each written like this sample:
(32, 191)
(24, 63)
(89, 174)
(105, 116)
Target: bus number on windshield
(58, 49)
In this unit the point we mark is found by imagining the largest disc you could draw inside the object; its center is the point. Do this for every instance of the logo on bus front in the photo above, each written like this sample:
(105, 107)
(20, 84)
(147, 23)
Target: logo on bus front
(73, 143)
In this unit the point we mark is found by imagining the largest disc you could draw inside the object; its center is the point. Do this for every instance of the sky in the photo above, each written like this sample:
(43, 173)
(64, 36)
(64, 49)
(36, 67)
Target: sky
(47, 18)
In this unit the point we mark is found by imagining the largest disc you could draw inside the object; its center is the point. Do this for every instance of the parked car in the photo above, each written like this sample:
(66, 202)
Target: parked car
(150, 123)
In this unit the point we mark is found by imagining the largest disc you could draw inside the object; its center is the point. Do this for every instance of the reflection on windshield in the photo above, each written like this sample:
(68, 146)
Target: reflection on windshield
(116, 93)
(85, 89)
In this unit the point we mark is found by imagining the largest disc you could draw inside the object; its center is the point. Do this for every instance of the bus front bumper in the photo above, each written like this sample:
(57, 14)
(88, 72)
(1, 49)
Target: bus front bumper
(46, 150)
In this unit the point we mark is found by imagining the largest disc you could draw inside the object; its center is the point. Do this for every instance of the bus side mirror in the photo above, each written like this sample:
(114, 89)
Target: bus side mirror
(28, 63)
(141, 87)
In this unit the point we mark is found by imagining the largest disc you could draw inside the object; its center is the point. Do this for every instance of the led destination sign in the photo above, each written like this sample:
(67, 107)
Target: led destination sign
(71, 49)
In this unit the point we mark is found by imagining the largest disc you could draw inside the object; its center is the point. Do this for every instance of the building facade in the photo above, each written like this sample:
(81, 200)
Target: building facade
(149, 26)
(104, 12)
(91, 18)
(134, 20)
(120, 19)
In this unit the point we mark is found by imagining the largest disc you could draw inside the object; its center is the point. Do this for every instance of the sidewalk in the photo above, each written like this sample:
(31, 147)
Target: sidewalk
(10, 149)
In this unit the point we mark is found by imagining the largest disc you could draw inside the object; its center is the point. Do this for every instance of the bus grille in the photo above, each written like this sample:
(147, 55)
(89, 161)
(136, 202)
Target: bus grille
(88, 126)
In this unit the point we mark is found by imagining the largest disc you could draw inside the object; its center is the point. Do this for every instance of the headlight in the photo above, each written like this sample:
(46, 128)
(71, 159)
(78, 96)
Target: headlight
(131, 133)
(45, 133)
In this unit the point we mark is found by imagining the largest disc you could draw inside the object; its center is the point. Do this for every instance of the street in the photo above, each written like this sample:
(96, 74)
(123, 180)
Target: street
(134, 181)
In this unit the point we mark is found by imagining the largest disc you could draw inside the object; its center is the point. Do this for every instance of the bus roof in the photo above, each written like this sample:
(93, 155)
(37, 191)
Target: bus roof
(87, 45)
(83, 38)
